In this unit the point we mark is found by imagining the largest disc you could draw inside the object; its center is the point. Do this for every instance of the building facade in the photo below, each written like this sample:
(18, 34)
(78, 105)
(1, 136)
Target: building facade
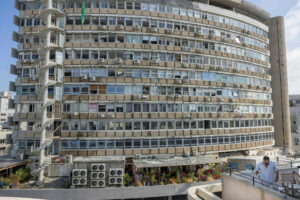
(142, 77)
(6, 109)
(295, 122)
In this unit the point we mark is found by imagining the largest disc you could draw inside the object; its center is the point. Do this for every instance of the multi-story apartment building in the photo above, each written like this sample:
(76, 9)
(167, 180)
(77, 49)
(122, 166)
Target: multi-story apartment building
(148, 77)
(295, 122)
(6, 109)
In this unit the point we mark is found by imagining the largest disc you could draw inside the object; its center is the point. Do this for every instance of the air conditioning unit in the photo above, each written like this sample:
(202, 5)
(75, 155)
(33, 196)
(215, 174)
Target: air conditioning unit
(120, 27)
(102, 60)
(185, 65)
(120, 73)
(145, 96)
(103, 27)
(138, 96)
(78, 173)
(93, 78)
(212, 35)
(84, 77)
(137, 61)
(213, 68)
(111, 115)
(79, 181)
(119, 60)
(75, 113)
(116, 180)
(178, 81)
(224, 39)
(154, 30)
(187, 115)
(137, 27)
(98, 183)
(97, 175)
(185, 48)
(116, 172)
(33, 78)
(154, 61)
(199, 33)
(168, 31)
(207, 99)
(98, 167)
(177, 96)
(199, 66)
(185, 80)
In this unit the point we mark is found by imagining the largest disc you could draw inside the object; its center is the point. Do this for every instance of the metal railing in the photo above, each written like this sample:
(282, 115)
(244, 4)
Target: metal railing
(282, 187)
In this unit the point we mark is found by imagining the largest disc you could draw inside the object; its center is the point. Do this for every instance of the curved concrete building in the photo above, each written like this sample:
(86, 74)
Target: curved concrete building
(143, 77)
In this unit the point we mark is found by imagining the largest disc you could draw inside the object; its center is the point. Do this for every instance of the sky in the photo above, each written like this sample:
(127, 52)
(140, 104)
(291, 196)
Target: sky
(290, 9)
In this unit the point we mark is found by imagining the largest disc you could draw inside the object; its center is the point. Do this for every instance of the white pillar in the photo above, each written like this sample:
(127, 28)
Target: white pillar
(45, 75)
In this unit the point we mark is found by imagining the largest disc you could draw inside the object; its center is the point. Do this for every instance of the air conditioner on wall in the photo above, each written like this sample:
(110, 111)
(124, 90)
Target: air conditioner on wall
(116, 172)
(120, 27)
(169, 31)
(154, 30)
(116, 180)
(137, 61)
(136, 27)
(119, 60)
(97, 175)
(84, 77)
(111, 115)
(199, 33)
(154, 61)
(98, 166)
(79, 173)
(187, 115)
(98, 183)
(79, 181)
(178, 81)
(103, 27)
(93, 78)
(185, 65)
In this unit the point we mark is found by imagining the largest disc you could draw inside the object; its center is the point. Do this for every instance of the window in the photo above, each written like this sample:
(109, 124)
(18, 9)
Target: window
(92, 125)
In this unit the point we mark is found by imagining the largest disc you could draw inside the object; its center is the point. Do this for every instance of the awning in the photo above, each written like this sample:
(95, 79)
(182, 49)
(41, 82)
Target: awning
(174, 162)
(7, 164)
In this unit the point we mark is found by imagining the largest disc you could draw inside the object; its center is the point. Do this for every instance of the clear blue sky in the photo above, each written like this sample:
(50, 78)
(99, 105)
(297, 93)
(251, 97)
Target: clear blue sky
(275, 7)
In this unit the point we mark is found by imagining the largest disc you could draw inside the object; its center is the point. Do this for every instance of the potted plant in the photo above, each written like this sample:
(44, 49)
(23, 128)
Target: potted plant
(127, 179)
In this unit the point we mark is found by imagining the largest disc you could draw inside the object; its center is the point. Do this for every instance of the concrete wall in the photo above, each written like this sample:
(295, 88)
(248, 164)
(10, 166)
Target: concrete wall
(234, 188)
(205, 192)
(280, 93)
(99, 194)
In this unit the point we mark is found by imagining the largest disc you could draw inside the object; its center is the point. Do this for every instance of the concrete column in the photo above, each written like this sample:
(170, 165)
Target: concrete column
(280, 93)
(45, 75)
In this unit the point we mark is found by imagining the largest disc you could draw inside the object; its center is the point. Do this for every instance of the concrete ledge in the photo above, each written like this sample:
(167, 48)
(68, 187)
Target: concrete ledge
(205, 192)
(105, 193)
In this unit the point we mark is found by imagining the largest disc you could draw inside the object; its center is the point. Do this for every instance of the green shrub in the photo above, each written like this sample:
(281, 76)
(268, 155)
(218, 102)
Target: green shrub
(23, 174)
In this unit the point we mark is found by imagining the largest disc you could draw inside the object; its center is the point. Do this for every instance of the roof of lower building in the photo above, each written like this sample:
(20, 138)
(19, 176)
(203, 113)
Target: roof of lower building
(175, 161)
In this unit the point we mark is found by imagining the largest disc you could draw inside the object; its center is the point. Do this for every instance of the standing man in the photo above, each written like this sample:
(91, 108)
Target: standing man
(268, 170)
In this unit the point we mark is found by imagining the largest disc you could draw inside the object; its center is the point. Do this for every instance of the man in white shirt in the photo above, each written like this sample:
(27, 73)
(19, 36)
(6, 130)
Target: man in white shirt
(268, 170)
